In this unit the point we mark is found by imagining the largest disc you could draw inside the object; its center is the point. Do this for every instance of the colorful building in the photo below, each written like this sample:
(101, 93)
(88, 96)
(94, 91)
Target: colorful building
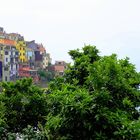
(20, 59)
(58, 68)
(15, 36)
(9, 59)
(26, 72)
(41, 58)
(46, 60)
(21, 47)
(30, 57)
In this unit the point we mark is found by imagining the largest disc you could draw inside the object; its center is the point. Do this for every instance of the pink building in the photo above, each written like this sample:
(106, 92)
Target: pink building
(58, 68)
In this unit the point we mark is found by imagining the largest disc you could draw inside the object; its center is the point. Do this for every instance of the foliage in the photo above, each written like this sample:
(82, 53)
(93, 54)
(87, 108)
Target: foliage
(96, 99)
(42, 74)
(46, 75)
(107, 91)
(68, 112)
(50, 76)
(82, 60)
(25, 104)
(119, 79)
(30, 134)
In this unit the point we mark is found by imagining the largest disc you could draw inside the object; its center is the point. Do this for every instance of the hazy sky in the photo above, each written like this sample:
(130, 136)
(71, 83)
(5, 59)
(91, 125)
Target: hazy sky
(61, 25)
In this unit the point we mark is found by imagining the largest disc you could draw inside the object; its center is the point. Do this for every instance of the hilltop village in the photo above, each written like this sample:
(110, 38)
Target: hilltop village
(20, 58)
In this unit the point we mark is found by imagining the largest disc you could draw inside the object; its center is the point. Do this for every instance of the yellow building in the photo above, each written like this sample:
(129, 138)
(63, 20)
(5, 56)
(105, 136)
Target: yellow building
(21, 47)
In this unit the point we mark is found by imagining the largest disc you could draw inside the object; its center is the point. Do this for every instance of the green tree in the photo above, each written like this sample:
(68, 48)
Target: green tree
(82, 59)
(46, 75)
(97, 99)
(42, 74)
(24, 104)
(50, 76)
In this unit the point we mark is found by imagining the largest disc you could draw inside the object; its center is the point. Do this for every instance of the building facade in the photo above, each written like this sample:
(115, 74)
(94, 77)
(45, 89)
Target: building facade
(21, 47)
(9, 60)
(19, 58)
(26, 72)
(30, 57)
(58, 68)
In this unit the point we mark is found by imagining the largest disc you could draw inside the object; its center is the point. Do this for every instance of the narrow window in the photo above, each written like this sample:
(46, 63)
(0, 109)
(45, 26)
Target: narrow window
(5, 78)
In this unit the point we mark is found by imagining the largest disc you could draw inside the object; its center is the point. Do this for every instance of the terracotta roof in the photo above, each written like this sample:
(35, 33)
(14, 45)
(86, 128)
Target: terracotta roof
(7, 42)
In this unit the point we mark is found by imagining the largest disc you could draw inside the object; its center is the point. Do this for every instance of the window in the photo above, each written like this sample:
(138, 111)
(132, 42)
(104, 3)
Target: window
(16, 66)
(11, 67)
(11, 60)
(61, 73)
(6, 59)
(6, 68)
(5, 78)
(12, 48)
(6, 52)
(16, 53)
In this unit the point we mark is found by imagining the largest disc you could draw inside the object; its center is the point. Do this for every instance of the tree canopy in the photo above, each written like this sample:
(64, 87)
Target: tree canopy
(108, 94)
(95, 99)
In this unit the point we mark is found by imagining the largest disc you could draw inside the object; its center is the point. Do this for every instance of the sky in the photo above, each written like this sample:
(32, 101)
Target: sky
(62, 25)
